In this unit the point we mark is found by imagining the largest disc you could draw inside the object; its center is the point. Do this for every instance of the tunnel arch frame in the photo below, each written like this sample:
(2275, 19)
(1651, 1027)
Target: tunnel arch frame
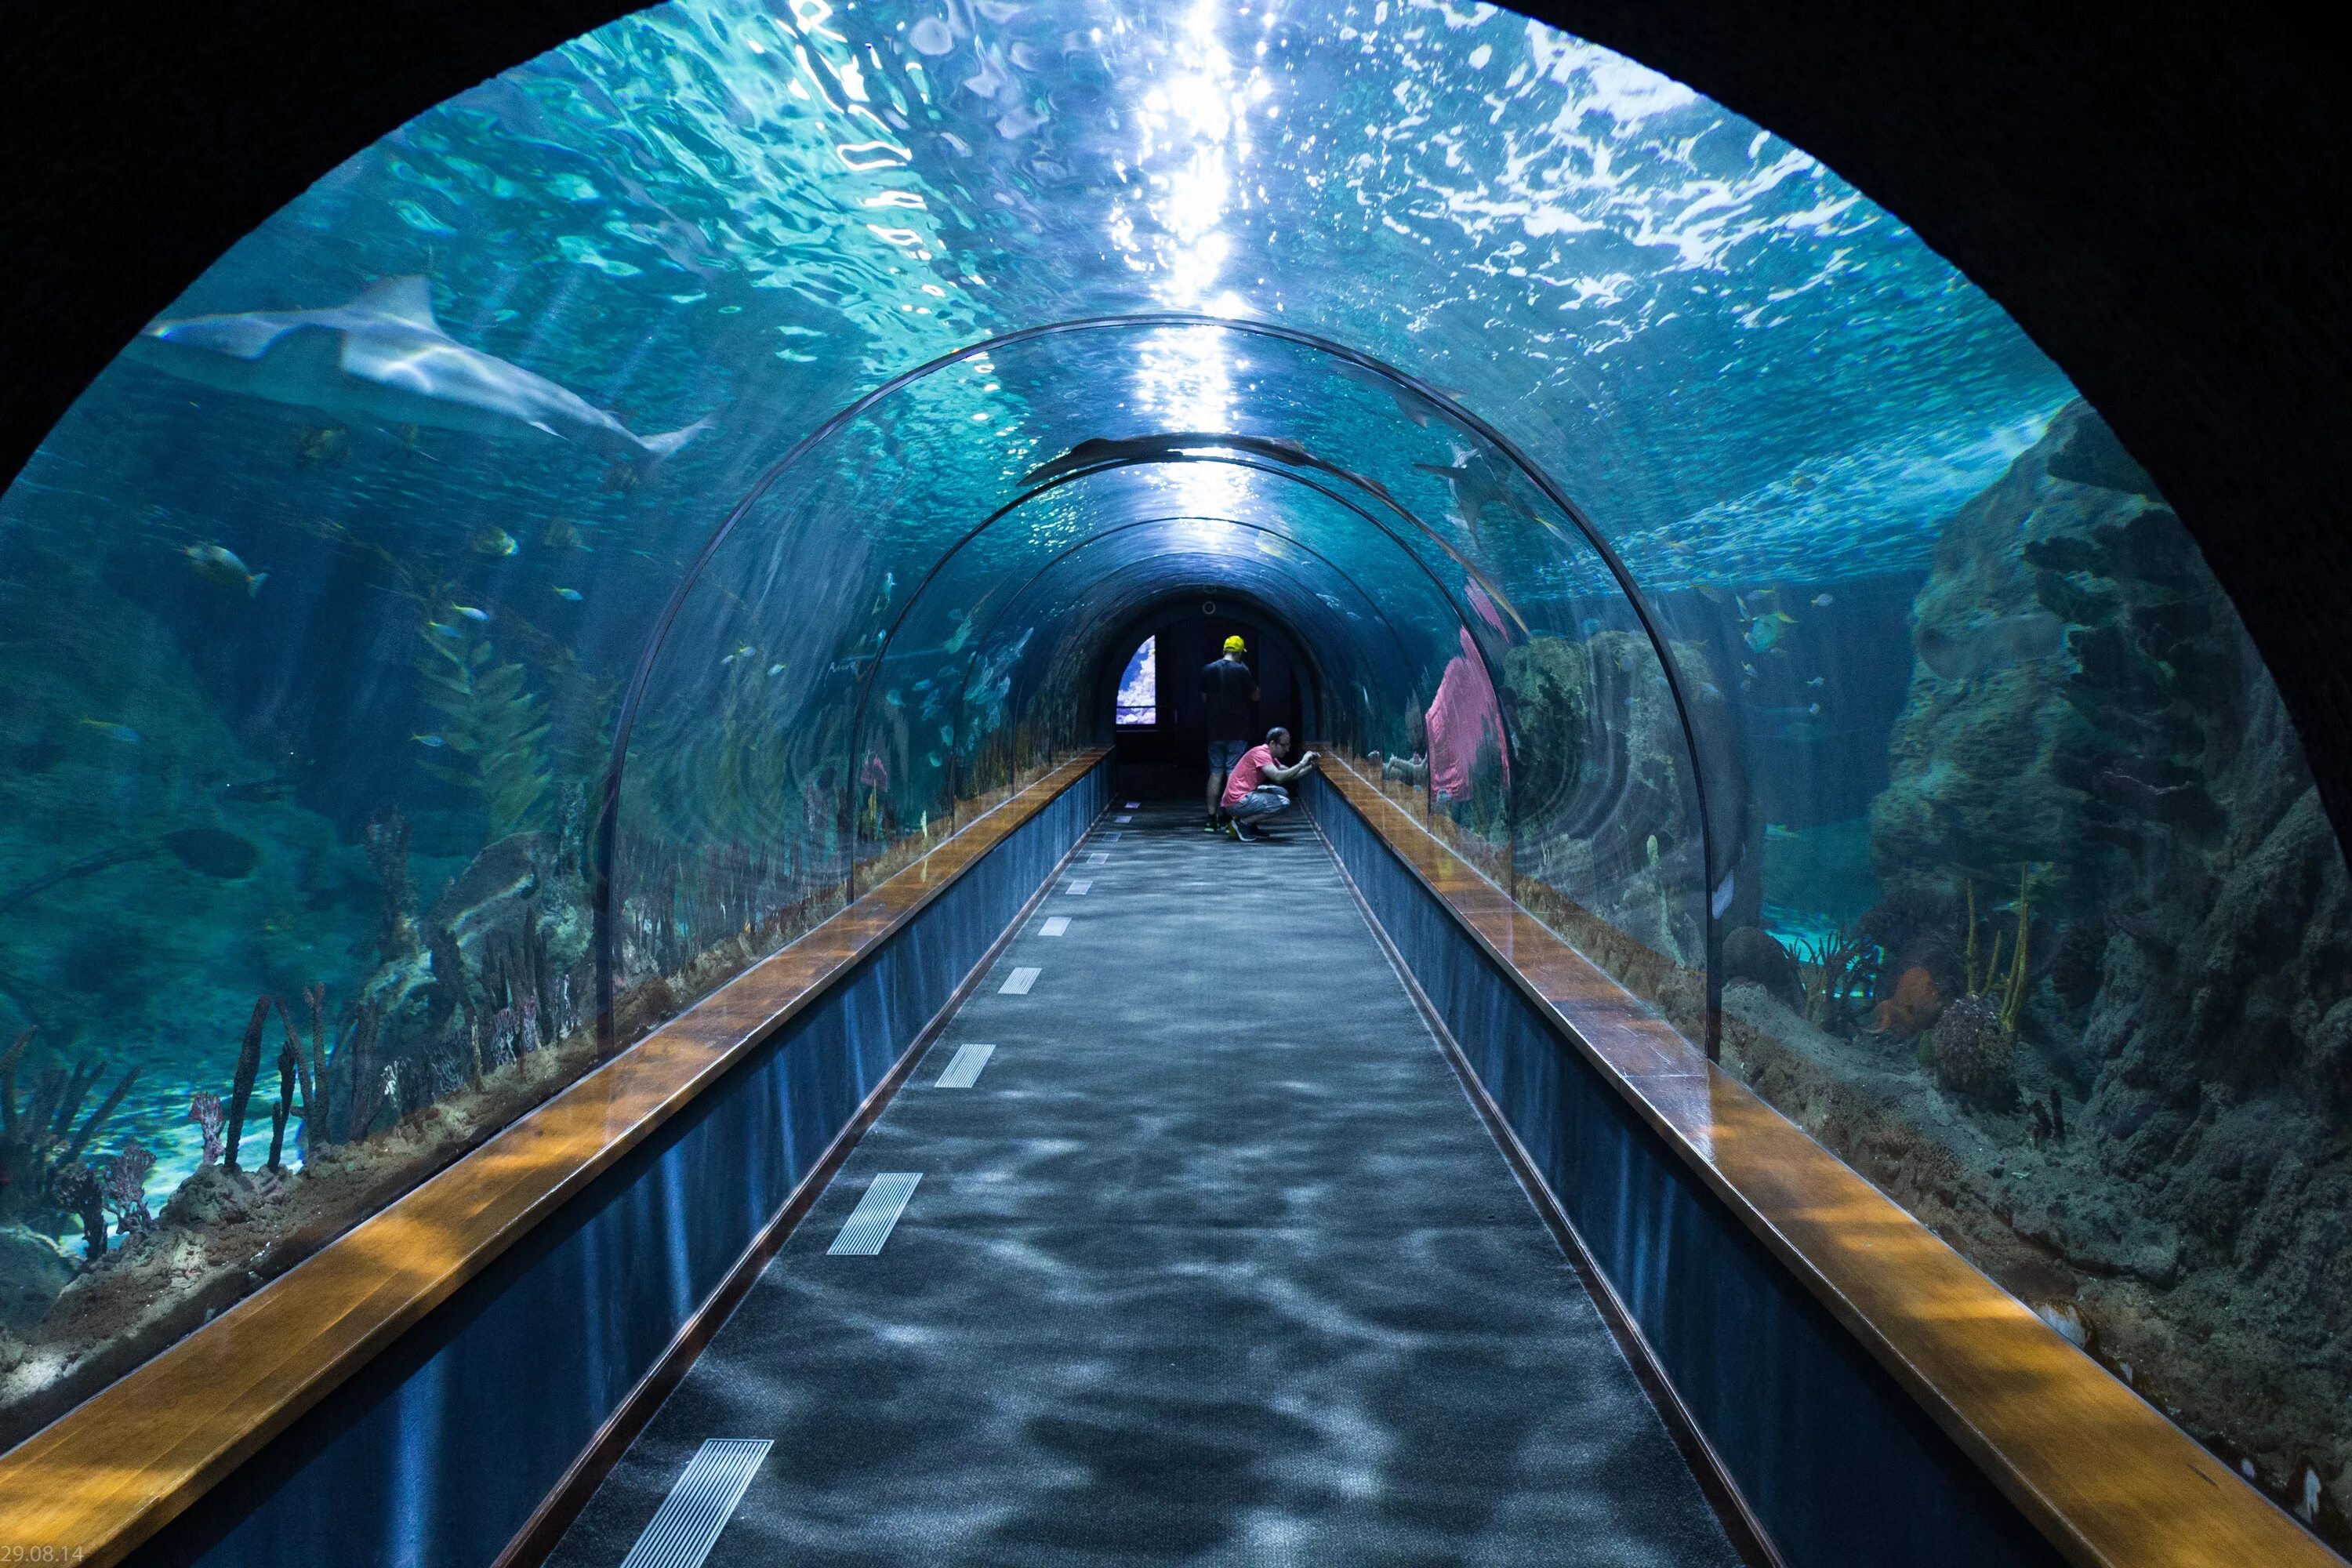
(1714, 892)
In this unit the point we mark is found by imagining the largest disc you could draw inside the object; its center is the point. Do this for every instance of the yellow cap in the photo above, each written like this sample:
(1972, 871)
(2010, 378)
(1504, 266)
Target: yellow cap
(1235, 645)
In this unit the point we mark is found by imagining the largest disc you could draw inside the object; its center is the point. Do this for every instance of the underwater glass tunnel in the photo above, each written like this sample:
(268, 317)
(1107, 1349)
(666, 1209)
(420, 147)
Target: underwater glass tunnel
(650, 501)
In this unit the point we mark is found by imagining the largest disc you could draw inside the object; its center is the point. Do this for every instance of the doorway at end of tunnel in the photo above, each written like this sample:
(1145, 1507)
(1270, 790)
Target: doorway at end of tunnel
(1164, 756)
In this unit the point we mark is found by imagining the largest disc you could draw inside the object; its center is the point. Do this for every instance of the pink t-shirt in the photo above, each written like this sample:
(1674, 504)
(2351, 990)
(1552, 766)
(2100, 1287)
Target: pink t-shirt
(1243, 778)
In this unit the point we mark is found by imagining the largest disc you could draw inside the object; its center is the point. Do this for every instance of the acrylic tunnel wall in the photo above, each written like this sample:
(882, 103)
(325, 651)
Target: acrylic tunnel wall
(649, 497)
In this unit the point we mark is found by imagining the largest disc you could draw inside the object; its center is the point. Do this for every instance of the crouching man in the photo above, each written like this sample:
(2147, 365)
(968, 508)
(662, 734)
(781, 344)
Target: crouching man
(1253, 789)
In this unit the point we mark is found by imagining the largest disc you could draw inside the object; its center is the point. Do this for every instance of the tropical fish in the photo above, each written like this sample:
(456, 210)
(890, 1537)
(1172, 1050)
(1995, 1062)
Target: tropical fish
(219, 563)
(495, 540)
(1710, 692)
(1765, 623)
(775, 670)
(329, 444)
(470, 613)
(382, 358)
(571, 593)
(1818, 681)
(562, 535)
(1824, 601)
(746, 651)
(894, 699)
(122, 732)
(1968, 651)
(436, 742)
(442, 628)
(964, 627)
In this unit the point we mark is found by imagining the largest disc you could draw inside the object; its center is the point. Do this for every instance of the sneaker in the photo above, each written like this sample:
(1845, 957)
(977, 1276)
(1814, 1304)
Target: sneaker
(1245, 834)
(1212, 826)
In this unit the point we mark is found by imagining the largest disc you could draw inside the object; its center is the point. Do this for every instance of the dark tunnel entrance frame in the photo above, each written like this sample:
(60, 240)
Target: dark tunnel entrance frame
(1715, 893)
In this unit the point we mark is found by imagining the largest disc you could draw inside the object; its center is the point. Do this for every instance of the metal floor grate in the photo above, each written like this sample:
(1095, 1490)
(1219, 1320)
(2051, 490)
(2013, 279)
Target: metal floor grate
(1017, 983)
(964, 1068)
(870, 1223)
(687, 1525)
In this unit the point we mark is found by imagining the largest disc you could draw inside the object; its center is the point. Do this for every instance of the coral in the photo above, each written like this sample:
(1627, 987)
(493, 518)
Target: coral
(368, 1077)
(125, 1180)
(1836, 974)
(1914, 1007)
(1975, 1053)
(82, 1192)
(204, 1110)
(249, 1067)
(491, 723)
(387, 853)
(38, 1138)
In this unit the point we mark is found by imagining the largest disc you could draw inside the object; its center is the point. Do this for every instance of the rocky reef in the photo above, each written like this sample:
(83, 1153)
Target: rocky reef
(2108, 1049)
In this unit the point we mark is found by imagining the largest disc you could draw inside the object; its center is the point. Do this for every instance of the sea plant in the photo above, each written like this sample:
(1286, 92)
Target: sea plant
(38, 1136)
(2006, 988)
(1836, 973)
(491, 725)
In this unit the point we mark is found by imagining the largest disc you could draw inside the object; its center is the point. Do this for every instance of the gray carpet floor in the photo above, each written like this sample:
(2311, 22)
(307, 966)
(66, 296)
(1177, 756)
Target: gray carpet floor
(1215, 1263)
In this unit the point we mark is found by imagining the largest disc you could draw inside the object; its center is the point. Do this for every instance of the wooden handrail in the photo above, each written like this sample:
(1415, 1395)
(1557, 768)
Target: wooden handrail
(2100, 1472)
(103, 1478)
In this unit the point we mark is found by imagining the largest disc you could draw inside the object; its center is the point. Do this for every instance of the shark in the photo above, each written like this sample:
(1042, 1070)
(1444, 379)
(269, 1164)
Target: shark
(382, 358)
(1480, 490)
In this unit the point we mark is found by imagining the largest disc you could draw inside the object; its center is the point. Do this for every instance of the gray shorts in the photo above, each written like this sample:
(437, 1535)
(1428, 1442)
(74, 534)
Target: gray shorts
(1263, 801)
(1223, 754)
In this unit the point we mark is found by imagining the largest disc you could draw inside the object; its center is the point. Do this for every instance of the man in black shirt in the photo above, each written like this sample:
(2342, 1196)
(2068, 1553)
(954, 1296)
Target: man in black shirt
(1227, 691)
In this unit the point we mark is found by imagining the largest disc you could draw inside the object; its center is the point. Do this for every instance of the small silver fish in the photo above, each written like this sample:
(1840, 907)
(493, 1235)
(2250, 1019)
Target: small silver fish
(122, 732)
(571, 593)
(219, 563)
(436, 742)
(470, 613)
(1824, 601)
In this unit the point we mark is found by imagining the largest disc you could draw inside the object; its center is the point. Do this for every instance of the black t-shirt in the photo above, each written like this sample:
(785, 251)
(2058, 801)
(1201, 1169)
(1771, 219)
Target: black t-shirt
(1227, 689)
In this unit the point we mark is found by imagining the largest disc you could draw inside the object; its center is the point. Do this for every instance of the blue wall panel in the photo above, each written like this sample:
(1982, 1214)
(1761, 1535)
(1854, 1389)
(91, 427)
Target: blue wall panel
(1839, 1464)
(435, 1453)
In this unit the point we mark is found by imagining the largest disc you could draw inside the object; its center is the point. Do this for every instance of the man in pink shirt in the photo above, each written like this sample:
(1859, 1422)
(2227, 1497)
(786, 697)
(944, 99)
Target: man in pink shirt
(1254, 789)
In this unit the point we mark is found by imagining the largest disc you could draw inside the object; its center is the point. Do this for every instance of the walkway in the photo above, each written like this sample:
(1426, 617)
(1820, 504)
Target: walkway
(1212, 1263)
